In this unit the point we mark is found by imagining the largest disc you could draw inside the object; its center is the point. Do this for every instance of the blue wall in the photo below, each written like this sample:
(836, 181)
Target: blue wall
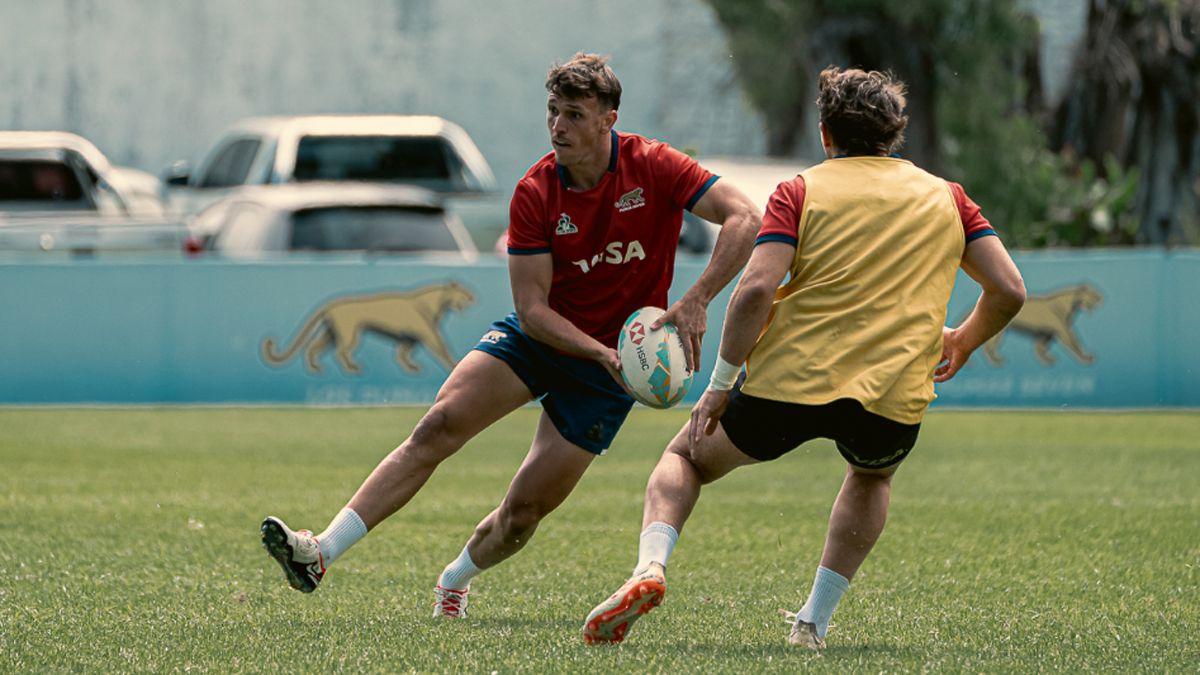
(183, 331)
(1139, 335)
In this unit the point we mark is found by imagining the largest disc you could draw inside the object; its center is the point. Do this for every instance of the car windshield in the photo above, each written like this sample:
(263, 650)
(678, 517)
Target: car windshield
(390, 229)
(402, 159)
(45, 184)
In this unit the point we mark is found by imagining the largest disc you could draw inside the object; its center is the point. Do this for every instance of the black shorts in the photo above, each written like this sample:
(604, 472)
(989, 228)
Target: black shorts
(766, 430)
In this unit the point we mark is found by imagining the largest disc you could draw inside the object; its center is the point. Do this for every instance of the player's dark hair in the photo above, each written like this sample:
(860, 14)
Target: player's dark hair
(584, 76)
(863, 111)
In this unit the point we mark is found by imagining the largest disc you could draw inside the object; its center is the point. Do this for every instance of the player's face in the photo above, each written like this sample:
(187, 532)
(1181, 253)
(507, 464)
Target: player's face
(579, 128)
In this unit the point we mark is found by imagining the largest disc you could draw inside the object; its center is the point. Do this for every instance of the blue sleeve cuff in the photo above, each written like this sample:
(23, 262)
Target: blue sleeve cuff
(981, 233)
(527, 251)
(700, 193)
(762, 239)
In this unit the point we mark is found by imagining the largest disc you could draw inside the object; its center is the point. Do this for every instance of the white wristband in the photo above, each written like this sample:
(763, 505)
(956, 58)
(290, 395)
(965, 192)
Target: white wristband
(724, 374)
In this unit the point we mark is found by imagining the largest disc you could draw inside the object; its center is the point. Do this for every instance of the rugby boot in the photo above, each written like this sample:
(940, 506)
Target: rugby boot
(610, 621)
(298, 553)
(804, 634)
(449, 602)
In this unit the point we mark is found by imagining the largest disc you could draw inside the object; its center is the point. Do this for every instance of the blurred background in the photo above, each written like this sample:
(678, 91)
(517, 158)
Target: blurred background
(197, 197)
(1093, 102)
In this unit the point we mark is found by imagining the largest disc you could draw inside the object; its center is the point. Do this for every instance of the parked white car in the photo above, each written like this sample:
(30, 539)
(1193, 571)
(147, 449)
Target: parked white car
(420, 150)
(56, 171)
(267, 220)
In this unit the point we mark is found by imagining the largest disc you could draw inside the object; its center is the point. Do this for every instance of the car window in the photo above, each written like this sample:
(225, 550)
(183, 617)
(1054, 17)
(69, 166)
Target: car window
(392, 229)
(231, 164)
(416, 160)
(51, 184)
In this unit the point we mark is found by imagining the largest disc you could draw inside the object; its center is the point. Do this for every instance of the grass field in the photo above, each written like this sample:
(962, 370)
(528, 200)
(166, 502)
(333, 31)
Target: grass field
(1017, 542)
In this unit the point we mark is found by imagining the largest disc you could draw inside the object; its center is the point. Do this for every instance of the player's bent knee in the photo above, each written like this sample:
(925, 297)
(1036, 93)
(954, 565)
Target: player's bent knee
(434, 437)
(431, 429)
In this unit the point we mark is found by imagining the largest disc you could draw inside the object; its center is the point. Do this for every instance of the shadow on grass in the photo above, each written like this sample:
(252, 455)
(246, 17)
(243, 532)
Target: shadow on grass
(780, 650)
(501, 624)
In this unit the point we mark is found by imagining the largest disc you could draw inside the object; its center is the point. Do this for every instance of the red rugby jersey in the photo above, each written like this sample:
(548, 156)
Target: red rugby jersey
(613, 246)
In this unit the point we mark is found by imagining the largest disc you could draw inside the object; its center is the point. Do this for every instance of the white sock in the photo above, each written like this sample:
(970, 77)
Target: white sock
(828, 588)
(344, 530)
(655, 546)
(458, 574)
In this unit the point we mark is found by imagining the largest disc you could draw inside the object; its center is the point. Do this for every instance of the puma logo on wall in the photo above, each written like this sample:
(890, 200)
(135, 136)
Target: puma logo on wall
(1049, 318)
(412, 319)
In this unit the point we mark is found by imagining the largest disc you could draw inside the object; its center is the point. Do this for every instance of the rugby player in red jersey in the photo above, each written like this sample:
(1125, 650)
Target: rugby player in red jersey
(848, 348)
(593, 230)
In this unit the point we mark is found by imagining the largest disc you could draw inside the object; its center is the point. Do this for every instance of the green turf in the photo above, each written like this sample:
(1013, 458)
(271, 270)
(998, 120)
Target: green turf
(1017, 542)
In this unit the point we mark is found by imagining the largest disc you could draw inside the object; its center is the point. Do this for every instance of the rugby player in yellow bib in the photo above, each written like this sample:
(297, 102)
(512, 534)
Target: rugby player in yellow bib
(847, 348)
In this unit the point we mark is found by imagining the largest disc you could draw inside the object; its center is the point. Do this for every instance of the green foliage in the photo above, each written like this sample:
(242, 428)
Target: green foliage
(1017, 542)
(994, 145)
(988, 138)
(1035, 197)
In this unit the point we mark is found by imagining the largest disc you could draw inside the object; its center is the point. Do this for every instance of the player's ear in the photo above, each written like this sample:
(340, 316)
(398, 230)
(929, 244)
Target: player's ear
(610, 120)
(826, 138)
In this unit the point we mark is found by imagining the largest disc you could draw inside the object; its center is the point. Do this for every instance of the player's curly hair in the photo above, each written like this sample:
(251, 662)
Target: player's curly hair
(585, 75)
(863, 110)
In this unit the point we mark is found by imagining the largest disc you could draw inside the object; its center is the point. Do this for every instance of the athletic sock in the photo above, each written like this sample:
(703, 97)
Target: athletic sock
(342, 533)
(655, 546)
(458, 574)
(828, 588)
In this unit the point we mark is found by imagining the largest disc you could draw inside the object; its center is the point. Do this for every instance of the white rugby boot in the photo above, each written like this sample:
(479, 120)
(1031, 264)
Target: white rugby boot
(803, 634)
(298, 553)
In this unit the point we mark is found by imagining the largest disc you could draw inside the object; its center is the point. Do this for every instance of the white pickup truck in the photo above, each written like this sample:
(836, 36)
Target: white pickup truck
(53, 172)
(421, 150)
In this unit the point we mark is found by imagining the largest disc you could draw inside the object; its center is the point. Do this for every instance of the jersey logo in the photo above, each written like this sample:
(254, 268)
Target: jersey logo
(630, 200)
(616, 253)
(494, 337)
(565, 226)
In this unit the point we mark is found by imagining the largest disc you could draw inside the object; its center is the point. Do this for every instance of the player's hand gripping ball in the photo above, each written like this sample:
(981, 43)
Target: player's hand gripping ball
(653, 363)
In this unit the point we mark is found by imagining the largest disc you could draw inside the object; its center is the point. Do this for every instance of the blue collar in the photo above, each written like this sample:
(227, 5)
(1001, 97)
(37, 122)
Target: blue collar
(612, 158)
(612, 161)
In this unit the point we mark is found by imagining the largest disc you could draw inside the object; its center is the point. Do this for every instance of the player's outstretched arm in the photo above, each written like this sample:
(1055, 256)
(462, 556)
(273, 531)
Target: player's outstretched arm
(988, 263)
(530, 277)
(740, 220)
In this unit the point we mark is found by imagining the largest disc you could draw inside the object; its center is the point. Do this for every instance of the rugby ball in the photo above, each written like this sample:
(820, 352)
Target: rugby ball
(653, 364)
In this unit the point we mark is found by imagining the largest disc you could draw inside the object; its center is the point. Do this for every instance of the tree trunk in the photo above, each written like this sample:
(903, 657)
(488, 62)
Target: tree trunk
(1135, 98)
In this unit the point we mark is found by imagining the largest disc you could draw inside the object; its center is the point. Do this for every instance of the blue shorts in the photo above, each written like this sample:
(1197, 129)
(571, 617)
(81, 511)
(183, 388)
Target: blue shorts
(583, 401)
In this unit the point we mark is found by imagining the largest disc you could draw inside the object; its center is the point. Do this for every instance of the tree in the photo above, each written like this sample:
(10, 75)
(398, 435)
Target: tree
(1135, 97)
(1122, 149)
(945, 50)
